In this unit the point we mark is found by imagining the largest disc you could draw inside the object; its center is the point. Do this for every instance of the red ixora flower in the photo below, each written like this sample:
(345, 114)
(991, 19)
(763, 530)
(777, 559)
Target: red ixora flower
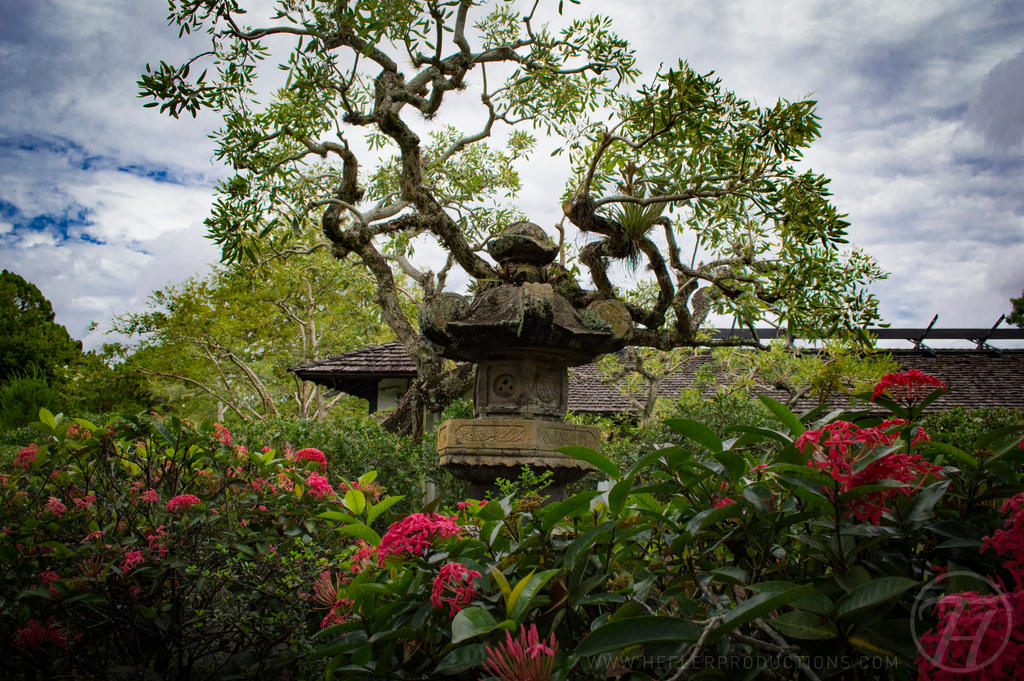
(1009, 542)
(132, 559)
(414, 533)
(318, 485)
(310, 454)
(908, 387)
(183, 501)
(27, 456)
(524, 659)
(222, 434)
(339, 613)
(453, 586)
(977, 637)
(34, 634)
(56, 506)
(723, 502)
(838, 446)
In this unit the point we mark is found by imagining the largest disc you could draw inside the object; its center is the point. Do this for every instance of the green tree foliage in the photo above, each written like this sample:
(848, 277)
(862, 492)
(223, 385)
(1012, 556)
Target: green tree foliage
(32, 343)
(680, 175)
(224, 343)
(1017, 314)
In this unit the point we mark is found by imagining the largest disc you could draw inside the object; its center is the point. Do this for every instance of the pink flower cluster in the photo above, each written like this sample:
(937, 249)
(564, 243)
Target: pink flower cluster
(1009, 542)
(56, 506)
(76, 432)
(453, 586)
(222, 434)
(977, 637)
(339, 613)
(411, 535)
(35, 634)
(27, 456)
(310, 454)
(836, 447)
(132, 559)
(318, 485)
(156, 541)
(84, 502)
(524, 659)
(908, 387)
(981, 637)
(150, 496)
(183, 502)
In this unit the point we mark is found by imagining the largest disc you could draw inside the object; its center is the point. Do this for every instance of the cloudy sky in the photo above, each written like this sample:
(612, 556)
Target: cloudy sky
(922, 103)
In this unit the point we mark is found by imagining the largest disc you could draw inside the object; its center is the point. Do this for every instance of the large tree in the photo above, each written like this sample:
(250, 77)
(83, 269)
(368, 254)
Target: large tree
(31, 341)
(700, 187)
(223, 343)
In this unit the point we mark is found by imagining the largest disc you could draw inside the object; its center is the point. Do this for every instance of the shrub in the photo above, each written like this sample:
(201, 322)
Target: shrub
(151, 548)
(22, 396)
(355, 445)
(803, 550)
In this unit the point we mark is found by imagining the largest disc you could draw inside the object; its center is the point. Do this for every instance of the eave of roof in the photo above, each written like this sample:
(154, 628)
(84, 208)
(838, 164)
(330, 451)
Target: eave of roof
(975, 378)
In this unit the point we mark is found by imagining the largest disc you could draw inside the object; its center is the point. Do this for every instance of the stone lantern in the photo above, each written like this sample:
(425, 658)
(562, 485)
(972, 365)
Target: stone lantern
(522, 335)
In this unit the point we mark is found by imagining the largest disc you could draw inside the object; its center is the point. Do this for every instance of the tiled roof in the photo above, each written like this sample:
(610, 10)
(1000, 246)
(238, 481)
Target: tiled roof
(389, 360)
(975, 379)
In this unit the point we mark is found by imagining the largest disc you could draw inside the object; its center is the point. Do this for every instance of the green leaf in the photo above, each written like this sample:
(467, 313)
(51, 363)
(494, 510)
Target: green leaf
(804, 625)
(585, 542)
(527, 590)
(360, 531)
(618, 495)
(984, 441)
(651, 458)
(920, 507)
(594, 458)
(376, 509)
(784, 415)
(865, 490)
(461, 659)
(242, 548)
(46, 416)
(871, 594)
(762, 433)
(712, 516)
(730, 574)
(696, 431)
(620, 634)
(499, 578)
(337, 515)
(355, 501)
(758, 606)
(735, 464)
(958, 455)
(470, 622)
(492, 510)
(554, 513)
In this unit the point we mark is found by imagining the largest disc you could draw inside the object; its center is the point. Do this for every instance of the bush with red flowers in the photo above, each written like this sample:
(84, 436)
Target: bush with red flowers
(149, 548)
(802, 550)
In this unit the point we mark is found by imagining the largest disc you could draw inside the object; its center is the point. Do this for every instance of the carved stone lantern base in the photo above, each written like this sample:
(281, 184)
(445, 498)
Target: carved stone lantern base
(482, 450)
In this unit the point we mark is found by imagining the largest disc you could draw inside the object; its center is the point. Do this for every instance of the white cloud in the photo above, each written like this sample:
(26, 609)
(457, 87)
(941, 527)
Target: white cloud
(921, 104)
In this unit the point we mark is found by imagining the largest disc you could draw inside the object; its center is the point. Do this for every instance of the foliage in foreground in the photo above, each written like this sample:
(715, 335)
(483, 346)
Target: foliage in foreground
(814, 548)
(843, 550)
(150, 548)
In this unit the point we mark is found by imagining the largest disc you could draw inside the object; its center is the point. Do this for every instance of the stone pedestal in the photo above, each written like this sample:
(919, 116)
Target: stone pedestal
(482, 450)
